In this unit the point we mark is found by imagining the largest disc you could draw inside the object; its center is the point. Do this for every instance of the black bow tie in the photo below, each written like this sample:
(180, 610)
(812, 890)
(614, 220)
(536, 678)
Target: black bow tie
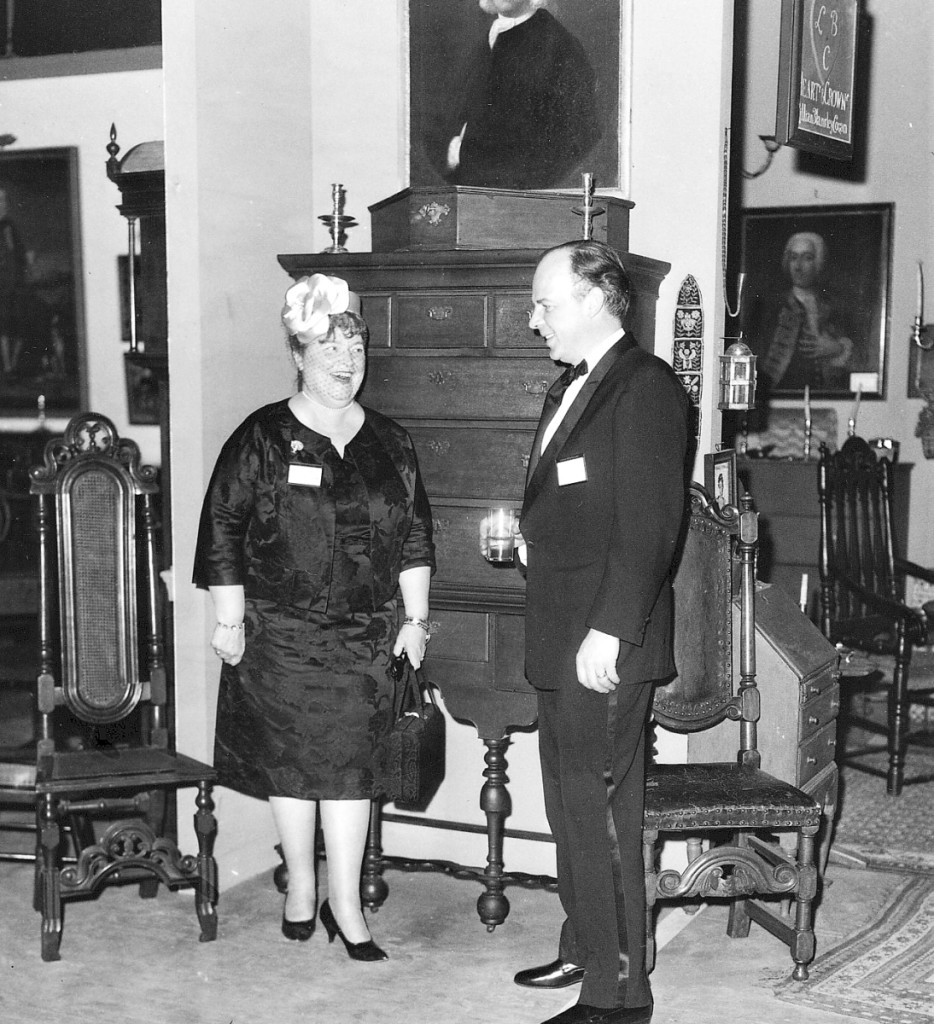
(568, 377)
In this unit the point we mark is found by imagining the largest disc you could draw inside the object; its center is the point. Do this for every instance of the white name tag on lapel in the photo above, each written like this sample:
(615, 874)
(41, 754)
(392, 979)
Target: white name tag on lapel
(304, 476)
(571, 471)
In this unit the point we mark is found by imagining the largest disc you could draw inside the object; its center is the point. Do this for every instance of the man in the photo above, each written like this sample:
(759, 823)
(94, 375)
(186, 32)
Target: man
(808, 342)
(603, 510)
(528, 115)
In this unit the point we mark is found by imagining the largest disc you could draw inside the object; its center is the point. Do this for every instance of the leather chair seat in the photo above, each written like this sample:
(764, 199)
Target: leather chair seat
(681, 797)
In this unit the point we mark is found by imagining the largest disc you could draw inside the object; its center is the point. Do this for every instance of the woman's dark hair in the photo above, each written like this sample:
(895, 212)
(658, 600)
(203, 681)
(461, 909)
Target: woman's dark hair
(600, 266)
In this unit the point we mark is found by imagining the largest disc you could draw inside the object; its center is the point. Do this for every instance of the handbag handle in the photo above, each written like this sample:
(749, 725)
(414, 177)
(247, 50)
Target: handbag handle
(410, 686)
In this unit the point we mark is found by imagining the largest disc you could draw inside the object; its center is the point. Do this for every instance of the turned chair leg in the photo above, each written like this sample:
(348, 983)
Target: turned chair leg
(48, 882)
(802, 949)
(206, 896)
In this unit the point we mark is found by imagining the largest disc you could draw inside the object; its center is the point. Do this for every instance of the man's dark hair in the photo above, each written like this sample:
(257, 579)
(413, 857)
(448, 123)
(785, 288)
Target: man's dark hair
(600, 266)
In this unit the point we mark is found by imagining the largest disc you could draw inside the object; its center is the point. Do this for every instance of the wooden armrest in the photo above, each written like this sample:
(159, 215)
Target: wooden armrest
(854, 664)
(905, 567)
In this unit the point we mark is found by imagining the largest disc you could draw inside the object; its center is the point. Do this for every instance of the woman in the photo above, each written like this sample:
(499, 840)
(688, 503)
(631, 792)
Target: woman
(314, 518)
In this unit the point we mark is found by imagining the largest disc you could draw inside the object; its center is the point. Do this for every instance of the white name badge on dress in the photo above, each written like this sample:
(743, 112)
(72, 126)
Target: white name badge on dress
(304, 476)
(571, 471)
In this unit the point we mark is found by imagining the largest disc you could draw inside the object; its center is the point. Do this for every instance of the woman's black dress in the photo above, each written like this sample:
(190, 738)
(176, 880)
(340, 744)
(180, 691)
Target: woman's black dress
(318, 550)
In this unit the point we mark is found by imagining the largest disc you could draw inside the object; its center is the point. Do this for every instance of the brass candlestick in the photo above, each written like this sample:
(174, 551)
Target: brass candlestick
(588, 210)
(337, 221)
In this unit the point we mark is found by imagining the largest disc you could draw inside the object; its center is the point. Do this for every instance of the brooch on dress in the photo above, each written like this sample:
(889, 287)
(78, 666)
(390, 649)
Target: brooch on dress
(297, 446)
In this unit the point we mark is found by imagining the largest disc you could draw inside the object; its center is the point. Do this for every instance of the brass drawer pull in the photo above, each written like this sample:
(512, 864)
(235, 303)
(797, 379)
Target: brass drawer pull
(434, 213)
(813, 719)
(442, 379)
(535, 387)
(440, 312)
(810, 760)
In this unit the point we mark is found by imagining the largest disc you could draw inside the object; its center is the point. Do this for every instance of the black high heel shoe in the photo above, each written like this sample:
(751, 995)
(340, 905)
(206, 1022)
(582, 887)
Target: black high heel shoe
(367, 951)
(298, 931)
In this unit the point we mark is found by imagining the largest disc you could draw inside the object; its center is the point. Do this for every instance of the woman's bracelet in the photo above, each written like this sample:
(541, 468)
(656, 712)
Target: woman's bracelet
(230, 625)
(421, 623)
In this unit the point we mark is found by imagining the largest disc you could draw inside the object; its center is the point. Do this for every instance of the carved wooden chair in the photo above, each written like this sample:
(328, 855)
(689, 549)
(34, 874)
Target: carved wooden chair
(863, 595)
(732, 815)
(101, 668)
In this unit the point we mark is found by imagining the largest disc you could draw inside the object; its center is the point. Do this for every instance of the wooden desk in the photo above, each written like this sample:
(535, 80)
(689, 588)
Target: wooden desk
(785, 496)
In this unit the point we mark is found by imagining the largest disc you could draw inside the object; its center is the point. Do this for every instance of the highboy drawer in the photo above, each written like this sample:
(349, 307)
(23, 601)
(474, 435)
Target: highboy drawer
(457, 551)
(438, 320)
(449, 387)
(459, 636)
(476, 461)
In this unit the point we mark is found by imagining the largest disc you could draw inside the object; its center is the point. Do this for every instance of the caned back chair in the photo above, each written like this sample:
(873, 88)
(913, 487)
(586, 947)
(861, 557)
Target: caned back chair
(863, 596)
(732, 814)
(102, 680)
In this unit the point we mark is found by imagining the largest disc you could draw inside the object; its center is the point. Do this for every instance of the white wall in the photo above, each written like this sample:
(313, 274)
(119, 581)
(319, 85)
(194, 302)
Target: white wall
(78, 111)
(899, 166)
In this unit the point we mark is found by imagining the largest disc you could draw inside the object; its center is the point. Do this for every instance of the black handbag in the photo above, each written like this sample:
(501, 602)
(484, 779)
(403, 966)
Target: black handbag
(415, 765)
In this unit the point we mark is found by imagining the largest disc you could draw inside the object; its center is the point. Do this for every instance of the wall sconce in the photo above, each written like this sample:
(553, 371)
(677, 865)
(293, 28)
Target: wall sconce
(737, 377)
(922, 334)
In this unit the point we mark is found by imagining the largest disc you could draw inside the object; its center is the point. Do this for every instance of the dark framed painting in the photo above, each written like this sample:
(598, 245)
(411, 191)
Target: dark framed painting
(63, 26)
(535, 109)
(815, 304)
(42, 349)
(720, 478)
(817, 71)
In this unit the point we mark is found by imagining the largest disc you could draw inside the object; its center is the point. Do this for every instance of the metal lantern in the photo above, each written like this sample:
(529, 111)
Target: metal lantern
(737, 378)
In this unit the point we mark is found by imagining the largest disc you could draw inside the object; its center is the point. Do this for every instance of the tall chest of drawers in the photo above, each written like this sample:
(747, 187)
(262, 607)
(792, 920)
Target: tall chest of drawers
(452, 358)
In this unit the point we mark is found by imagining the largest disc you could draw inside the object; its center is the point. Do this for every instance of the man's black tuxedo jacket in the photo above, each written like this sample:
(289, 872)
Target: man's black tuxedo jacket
(600, 551)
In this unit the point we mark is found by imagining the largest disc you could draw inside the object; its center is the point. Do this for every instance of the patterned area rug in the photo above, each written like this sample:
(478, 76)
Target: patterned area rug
(877, 831)
(883, 973)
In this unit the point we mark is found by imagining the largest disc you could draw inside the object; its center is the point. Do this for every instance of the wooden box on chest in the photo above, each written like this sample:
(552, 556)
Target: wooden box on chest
(452, 358)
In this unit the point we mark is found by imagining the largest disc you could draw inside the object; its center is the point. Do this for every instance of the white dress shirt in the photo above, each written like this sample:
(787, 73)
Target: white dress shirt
(574, 388)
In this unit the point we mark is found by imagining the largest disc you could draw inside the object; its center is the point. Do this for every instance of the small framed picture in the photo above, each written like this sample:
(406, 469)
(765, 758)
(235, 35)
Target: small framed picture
(720, 478)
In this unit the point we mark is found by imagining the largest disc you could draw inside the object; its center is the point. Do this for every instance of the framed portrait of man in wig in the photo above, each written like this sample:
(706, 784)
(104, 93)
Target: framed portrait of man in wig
(517, 94)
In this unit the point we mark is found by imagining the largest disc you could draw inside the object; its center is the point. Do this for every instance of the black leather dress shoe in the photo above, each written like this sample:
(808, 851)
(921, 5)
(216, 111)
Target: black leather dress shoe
(558, 974)
(581, 1013)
